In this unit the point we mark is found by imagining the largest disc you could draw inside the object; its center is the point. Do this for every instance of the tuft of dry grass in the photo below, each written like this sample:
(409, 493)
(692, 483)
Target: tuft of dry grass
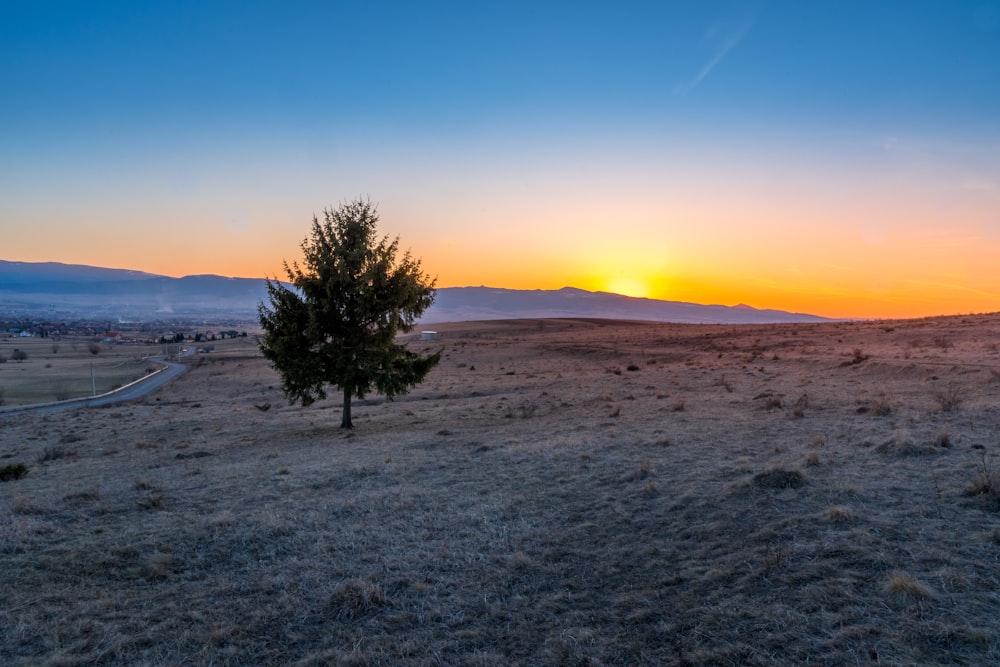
(901, 443)
(902, 584)
(725, 383)
(354, 599)
(986, 483)
(839, 514)
(950, 398)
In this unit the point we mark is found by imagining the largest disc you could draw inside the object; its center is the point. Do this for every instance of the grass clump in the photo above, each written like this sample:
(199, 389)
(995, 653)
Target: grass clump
(354, 599)
(987, 482)
(949, 399)
(903, 585)
(839, 514)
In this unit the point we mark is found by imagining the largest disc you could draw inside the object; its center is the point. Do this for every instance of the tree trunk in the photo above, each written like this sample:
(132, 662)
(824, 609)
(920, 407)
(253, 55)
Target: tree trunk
(345, 420)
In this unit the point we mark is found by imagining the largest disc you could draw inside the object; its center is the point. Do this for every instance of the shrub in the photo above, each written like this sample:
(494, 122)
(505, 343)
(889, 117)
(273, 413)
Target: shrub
(13, 471)
(18, 355)
(93, 348)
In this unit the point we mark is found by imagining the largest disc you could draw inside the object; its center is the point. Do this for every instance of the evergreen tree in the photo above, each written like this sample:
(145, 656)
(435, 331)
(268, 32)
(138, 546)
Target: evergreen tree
(338, 326)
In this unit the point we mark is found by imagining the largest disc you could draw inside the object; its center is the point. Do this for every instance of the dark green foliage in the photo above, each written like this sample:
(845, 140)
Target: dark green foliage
(13, 471)
(338, 326)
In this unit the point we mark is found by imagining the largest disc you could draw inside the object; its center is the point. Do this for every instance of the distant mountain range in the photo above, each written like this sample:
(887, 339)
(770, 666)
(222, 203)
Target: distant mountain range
(55, 290)
(458, 304)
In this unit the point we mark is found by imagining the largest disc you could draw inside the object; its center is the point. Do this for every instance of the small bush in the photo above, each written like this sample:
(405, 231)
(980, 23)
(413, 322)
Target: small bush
(18, 355)
(93, 348)
(13, 471)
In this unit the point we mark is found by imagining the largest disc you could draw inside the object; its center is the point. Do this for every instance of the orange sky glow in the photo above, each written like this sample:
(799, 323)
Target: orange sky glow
(700, 152)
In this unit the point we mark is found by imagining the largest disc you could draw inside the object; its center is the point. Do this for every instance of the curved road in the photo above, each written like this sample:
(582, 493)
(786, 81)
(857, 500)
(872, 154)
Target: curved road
(141, 387)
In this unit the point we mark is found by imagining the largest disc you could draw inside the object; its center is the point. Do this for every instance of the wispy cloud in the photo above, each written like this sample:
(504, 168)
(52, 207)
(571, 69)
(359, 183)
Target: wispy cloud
(729, 42)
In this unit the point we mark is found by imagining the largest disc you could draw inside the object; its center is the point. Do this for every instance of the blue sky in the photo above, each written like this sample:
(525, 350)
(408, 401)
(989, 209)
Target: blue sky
(498, 135)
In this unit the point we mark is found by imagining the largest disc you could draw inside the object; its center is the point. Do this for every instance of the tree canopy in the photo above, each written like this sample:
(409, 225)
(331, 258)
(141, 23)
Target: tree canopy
(350, 297)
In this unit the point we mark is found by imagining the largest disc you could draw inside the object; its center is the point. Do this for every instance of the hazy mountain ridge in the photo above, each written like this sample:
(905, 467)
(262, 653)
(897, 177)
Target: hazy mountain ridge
(73, 289)
(456, 304)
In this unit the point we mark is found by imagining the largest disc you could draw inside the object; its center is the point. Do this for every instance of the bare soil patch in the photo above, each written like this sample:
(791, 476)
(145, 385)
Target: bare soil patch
(558, 492)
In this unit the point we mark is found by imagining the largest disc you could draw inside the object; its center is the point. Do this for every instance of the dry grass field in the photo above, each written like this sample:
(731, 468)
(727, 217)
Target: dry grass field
(559, 492)
(57, 369)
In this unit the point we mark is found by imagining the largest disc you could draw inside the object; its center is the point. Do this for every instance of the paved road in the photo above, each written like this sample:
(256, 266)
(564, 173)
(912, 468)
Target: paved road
(138, 389)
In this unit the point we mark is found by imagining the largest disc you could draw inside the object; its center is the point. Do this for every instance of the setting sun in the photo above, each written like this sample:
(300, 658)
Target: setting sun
(628, 287)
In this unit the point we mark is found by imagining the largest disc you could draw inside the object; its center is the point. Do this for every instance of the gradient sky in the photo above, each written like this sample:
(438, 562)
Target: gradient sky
(834, 157)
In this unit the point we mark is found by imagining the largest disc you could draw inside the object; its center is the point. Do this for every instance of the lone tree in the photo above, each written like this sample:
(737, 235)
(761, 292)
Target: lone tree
(338, 326)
